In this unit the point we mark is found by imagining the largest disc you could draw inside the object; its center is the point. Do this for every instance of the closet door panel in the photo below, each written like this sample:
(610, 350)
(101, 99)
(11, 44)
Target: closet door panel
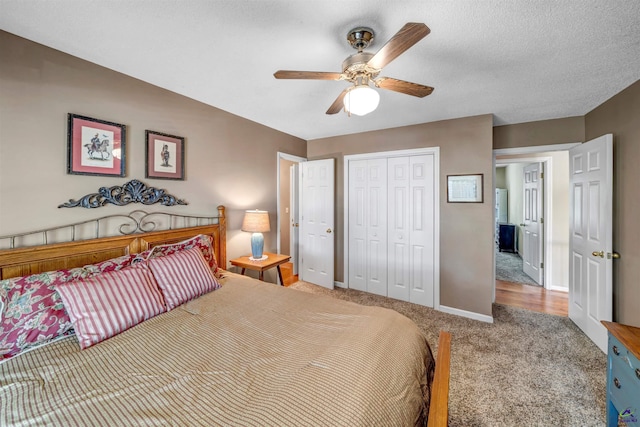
(398, 262)
(377, 226)
(418, 284)
(358, 207)
(422, 217)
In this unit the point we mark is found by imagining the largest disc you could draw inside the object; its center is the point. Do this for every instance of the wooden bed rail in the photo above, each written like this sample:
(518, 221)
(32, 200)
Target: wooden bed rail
(439, 405)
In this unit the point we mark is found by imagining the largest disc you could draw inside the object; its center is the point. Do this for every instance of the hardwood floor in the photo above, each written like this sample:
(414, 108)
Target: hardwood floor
(533, 298)
(287, 274)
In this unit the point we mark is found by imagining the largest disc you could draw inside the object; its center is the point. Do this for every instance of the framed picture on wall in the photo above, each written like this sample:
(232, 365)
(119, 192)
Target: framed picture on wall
(95, 147)
(465, 188)
(164, 156)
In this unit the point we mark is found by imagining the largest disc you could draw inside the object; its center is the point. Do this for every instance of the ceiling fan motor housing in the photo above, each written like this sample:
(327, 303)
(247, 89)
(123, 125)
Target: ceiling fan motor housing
(360, 38)
(356, 65)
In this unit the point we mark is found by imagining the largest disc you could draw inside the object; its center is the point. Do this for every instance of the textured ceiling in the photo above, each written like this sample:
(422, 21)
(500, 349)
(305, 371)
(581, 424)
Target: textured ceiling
(521, 60)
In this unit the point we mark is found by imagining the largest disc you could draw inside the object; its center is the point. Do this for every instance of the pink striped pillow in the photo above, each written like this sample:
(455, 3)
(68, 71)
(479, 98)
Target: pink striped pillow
(201, 241)
(106, 304)
(183, 276)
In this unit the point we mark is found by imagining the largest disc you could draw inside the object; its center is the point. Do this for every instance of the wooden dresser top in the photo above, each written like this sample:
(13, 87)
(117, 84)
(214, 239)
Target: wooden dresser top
(629, 336)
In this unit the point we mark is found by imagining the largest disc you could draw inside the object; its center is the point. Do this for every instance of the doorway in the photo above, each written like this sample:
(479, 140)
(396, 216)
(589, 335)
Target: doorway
(287, 208)
(520, 211)
(305, 218)
(554, 260)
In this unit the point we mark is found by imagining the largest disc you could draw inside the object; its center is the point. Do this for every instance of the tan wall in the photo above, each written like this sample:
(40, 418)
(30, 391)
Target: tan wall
(466, 270)
(500, 178)
(545, 132)
(229, 160)
(561, 216)
(620, 116)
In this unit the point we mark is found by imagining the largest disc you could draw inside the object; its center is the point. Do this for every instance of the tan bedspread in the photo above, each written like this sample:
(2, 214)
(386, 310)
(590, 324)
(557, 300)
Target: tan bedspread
(248, 354)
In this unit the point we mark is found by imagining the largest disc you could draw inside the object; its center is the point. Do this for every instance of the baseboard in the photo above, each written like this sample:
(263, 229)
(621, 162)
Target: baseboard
(558, 288)
(339, 285)
(468, 314)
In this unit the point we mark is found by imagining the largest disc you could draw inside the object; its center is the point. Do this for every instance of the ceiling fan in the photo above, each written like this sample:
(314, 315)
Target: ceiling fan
(363, 68)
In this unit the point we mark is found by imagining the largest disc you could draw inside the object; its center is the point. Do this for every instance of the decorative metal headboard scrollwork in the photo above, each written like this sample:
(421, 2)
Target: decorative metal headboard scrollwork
(133, 191)
(137, 221)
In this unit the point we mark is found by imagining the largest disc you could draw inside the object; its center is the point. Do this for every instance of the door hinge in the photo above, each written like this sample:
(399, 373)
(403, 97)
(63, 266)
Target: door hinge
(541, 220)
(542, 265)
(541, 175)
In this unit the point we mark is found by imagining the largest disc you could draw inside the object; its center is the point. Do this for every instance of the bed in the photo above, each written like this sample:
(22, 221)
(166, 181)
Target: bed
(245, 353)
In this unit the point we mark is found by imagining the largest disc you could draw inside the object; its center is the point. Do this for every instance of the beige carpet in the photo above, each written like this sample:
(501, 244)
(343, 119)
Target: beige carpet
(525, 369)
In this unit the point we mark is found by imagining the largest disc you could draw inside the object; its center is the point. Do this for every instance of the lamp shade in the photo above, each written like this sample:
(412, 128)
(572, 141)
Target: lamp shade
(361, 100)
(256, 221)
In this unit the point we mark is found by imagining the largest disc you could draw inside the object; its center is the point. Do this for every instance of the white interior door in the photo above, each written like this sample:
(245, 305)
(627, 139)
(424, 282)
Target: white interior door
(317, 222)
(294, 234)
(590, 242)
(532, 228)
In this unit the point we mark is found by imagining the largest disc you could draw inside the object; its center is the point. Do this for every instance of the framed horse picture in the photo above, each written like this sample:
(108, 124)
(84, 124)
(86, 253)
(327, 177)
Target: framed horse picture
(164, 156)
(95, 147)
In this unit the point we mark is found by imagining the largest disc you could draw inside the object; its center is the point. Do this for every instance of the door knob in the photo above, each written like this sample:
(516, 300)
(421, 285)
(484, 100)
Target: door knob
(329, 230)
(523, 225)
(614, 255)
(596, 253)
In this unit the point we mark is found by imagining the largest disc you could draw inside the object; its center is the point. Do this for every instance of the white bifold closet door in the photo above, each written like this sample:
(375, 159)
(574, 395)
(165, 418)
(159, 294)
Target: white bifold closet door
(410, 229)
(391, 227)
(368, 225)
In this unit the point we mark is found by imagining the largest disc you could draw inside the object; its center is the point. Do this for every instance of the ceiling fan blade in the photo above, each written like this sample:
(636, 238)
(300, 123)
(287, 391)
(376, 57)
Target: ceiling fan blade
(401, 86)
(310, 75)
(338, 104)
(408, 35)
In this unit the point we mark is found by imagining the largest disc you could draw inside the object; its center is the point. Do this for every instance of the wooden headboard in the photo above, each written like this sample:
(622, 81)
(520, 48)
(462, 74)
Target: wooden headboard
(37, 259)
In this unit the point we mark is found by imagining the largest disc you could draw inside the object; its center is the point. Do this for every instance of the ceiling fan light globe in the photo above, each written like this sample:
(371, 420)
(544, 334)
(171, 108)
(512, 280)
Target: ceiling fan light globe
(361, 100)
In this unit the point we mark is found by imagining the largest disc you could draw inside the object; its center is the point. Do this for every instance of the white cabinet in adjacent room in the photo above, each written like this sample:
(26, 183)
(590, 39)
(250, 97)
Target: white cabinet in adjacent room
(502, 211)
(502, 207)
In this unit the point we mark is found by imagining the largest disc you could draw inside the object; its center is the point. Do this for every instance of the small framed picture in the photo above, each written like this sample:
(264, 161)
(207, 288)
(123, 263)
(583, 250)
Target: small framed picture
(164, 156)
(95, 147)
(465, 188)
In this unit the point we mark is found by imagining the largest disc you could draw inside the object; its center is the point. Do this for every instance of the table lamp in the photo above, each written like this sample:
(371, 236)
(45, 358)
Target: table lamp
(256, 222)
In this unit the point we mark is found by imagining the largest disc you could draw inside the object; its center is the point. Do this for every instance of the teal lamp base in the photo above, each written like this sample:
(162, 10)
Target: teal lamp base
(257, 244)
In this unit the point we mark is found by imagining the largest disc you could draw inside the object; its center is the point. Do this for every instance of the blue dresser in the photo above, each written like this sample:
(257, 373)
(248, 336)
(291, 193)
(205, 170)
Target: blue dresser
(623, 375)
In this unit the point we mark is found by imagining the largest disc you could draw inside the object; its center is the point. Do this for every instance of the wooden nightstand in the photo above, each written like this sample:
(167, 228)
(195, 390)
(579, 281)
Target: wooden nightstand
(274, 260)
